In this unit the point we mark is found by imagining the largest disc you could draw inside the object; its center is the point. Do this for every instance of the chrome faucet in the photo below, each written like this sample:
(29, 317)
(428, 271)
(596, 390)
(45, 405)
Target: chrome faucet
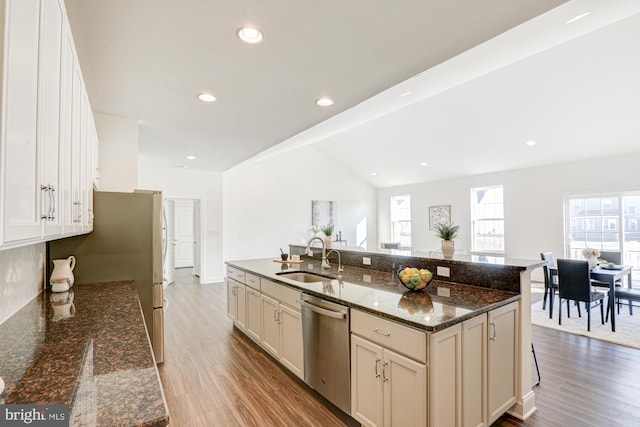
(340, 269)
(324, 264)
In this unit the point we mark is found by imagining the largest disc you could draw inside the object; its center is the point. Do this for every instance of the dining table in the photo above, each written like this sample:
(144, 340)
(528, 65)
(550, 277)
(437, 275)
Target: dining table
(611, 275)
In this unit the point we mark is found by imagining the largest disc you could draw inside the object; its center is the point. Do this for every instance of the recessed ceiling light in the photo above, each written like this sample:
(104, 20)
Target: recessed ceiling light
(191, 157)
(404, 94)
(423, 164)
(373, 174)
(324, 101)
(250, 35)
(531, 143)
(206, 97)
(575, 18)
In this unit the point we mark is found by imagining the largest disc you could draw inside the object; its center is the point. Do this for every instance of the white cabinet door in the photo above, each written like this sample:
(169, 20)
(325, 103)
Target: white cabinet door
(405, 391)
(48, 130)
(65, 192)
(366, 382)
(445, 350)
(76, 143)
(291, 348)
(254, 316)
(21, 180)
(503, 364)
(270, 325)
(241, 309)
(474, 369)
(232, 300)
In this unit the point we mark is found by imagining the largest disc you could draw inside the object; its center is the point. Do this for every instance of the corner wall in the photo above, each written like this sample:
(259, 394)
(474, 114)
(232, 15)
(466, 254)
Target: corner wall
(267, 203)
(118, 157)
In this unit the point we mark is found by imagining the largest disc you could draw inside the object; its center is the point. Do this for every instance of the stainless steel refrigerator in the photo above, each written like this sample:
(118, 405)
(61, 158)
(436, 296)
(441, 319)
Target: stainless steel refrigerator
(126, 244)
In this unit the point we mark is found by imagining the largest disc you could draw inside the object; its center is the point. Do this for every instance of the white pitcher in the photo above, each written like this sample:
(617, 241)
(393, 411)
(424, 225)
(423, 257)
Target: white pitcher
(62, 275)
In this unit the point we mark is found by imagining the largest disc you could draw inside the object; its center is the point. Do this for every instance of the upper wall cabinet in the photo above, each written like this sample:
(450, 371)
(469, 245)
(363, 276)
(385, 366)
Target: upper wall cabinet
(48, 154)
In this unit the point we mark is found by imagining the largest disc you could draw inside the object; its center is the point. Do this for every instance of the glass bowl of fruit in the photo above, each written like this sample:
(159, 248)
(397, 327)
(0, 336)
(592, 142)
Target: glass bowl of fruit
(414, 279)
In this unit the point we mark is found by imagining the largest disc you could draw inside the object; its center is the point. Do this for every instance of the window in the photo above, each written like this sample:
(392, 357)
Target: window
(607, 222)
(487, 219)
(401, 220)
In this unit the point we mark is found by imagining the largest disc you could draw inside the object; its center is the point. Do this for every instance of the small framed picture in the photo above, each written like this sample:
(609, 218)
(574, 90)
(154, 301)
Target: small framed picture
(439, 215)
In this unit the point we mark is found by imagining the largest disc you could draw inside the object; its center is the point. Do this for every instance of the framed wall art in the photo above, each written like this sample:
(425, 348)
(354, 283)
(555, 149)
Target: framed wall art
(439, 215)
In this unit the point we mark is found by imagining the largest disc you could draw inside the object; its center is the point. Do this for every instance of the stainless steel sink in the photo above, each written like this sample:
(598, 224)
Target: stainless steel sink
(301, 276)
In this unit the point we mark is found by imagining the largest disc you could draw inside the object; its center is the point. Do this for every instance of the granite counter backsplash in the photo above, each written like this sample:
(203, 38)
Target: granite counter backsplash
(87, 348)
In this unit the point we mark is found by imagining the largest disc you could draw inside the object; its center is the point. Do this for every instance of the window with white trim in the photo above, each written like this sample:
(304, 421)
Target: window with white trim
(607, 222)
(401, 220)
(487, 219)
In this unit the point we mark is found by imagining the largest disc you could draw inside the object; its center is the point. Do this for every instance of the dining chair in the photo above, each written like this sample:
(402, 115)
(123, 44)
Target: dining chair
(624, 293)
(574, 284)
(550, 281)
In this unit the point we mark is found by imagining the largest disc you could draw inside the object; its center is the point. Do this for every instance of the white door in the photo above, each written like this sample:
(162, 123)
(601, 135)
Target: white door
(196, 238)
(184, 233)
(169, 262)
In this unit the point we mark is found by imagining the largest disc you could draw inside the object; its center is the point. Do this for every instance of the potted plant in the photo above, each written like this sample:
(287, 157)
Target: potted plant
(328, 231)
(447, 232)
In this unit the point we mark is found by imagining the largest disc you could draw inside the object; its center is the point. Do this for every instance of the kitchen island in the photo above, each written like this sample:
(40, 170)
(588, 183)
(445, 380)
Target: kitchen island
(87, 348)
(445, 336)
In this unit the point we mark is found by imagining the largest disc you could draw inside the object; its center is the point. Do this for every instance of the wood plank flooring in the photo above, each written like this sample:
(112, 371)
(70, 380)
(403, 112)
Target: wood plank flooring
(214, 376)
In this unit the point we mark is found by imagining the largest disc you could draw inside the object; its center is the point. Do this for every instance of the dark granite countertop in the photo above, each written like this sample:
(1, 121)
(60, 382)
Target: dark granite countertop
(88, 349)
(381, 293)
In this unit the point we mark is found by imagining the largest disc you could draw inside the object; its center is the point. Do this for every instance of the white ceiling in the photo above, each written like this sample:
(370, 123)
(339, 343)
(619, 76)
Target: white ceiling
(571, 87)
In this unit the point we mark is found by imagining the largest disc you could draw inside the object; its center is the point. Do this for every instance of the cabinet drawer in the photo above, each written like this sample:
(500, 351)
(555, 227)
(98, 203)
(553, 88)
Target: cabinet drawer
(281, 292)
(235, 273)
(252, 280)
(402, 339)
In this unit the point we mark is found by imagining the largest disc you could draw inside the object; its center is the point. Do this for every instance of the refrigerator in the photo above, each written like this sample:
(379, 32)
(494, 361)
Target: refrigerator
(127, 243)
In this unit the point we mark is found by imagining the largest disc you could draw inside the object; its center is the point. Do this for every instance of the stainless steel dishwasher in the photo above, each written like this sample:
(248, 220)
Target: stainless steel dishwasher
(327, 349)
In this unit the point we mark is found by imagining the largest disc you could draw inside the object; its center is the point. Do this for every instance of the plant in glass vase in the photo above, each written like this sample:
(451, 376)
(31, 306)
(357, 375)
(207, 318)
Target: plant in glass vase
(447, 232)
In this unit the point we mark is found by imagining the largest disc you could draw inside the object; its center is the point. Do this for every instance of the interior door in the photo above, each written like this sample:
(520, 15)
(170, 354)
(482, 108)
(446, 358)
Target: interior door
(184, 233)
(196, 238)
(170, 254)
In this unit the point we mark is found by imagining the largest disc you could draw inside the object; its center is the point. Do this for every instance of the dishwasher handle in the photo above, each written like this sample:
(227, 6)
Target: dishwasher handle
(323, 311)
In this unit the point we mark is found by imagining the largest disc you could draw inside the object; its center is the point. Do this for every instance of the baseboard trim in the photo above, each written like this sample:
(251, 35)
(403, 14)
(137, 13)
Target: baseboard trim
(523, 410)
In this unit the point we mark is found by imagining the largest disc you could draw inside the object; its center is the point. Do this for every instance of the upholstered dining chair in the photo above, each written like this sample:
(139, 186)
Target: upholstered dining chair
(550, 281)
(574, 284)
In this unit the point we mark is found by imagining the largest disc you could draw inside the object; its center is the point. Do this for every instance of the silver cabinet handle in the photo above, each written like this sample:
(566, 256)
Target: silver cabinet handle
(378, 331)
(52, 211)
(275, 315)
(384, 372)
(493, 335)
(45, 188)
(377, 374)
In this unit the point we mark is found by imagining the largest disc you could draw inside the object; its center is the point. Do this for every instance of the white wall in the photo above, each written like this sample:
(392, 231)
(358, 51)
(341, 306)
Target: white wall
(22, 277)
(177, 183)
(533, 202)
(267, 204)
(118, 138)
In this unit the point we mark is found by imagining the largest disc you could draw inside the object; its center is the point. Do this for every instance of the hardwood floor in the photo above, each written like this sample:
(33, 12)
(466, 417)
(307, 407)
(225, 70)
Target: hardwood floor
(214, 376)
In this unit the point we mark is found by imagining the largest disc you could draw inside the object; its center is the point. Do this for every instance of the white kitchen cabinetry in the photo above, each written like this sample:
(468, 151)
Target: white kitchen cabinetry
(40, 163)
(23, 200)
(282, 325)
(254, 314)
(502, 357)
(236, 303)
(474, 367)
(445, 377)
(387, 388)
(473, 370)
